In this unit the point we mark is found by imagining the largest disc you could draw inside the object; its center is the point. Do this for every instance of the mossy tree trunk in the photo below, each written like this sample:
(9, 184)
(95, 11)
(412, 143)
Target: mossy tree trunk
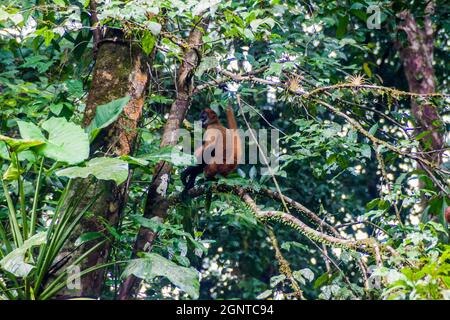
(157, 202)
(416, 54)
(120, 70)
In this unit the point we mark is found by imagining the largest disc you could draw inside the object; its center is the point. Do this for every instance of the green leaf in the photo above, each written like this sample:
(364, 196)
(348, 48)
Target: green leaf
(275, 68)
(48, 36)
(15, 263)
(39, 62)
(60, 3)
(320, 281)
(74, 87)
(252, 173)
(102, 168)
(372, 204)
(442, 213)
(275, 280)
(67, 142)
(3, 15)
(367, 69)
(86, 237)
(56, 108)
(207, 63)
(264, 294)
(153, 224)
(366, 151)
(342, 27)
(154, 265)
(257, 22)
(373, 129)
(172, 155)
(154, 27)
(13, 172)
(4, 151)
(30, 130)
(18, 145)
(148, 42)
(134, 161)
(301, 275)
(106, 114)
(422, 135)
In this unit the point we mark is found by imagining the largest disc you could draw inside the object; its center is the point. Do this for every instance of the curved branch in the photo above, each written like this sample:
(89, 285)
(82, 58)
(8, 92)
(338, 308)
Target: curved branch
(392, 91)
(365, 246)
(156, 202)
(354, 123)
(377, 141)
(299, 207)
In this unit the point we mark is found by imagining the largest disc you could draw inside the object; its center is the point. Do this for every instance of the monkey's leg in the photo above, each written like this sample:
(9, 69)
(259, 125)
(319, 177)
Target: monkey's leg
(190, 174)
(185, 174)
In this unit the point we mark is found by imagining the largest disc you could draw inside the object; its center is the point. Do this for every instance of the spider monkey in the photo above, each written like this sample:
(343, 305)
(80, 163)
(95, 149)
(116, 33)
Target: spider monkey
(214, 156)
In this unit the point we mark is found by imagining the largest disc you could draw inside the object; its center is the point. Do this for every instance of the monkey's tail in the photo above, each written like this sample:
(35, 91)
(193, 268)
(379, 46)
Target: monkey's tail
(232, 124)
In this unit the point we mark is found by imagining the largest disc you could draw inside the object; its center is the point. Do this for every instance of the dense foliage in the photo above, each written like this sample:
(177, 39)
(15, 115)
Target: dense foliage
(333, 88)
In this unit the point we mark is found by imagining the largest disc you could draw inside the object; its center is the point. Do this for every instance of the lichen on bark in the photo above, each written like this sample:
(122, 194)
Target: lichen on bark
(120, 70)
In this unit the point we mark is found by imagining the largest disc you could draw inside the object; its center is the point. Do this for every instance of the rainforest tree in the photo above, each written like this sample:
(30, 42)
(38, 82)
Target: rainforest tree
(343, 190)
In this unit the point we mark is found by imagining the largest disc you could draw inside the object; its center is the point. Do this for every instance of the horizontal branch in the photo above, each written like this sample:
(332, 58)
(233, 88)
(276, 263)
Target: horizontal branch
(248, 76)
(365, 245)
(299, 207)
(301, 93)
(392, 91)
(297, 224)
(358, 127)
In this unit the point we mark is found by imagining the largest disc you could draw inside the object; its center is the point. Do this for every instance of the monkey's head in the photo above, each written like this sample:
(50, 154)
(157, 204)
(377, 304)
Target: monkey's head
(207, 117)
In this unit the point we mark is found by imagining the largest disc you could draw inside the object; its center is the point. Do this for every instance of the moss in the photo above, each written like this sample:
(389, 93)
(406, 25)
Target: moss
(110, 79)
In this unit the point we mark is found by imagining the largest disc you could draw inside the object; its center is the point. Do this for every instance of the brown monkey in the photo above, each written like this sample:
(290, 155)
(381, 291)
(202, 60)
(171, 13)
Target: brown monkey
(220, 152)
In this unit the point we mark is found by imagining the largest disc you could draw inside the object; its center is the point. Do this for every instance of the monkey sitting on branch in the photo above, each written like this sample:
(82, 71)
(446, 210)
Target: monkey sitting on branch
(220, 151)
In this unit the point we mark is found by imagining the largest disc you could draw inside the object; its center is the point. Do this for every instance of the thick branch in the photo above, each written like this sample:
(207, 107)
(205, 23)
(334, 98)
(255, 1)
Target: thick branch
(157, 203)
(416, 55)
(288, 219)
(298, 206)
(120, 70)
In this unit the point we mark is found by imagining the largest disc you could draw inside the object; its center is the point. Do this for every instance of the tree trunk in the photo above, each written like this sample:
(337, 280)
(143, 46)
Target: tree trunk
(156, 203)
(120, 70)
(416, 55)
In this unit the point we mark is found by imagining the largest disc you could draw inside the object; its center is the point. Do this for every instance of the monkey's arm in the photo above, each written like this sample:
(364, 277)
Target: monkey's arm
(207, 148)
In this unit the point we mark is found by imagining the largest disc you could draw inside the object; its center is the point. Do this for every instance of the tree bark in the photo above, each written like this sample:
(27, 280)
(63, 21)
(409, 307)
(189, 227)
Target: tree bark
(157, 203)
(120, 70)
(416, 55)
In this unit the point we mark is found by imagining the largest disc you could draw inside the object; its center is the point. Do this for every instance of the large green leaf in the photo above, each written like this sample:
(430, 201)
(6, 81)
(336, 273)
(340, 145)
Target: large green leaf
(102, 168)
(170, 154)
(15, 263)
(154, 265)
(135, 161)
(106, 114)
(67, 142)
(18, 145)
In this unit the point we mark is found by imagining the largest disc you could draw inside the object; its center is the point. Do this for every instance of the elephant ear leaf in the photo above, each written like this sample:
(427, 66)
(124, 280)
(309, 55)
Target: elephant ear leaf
(102, 168)
(17, 145)
(153, 265)
(15, 263)
(66, 142)
(106, 114)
